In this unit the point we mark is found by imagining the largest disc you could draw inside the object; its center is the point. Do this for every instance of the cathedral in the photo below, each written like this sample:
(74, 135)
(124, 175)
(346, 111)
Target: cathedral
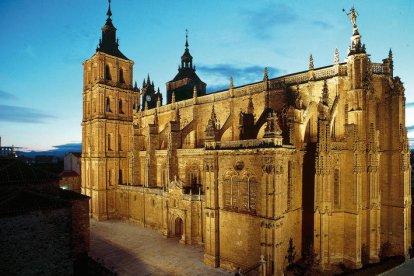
(317, 159)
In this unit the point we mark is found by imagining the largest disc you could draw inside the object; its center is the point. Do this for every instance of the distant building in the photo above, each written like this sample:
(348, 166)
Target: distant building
(46, 159)
(70, 177)
(7, 151)
(71, 162)
(43, 230)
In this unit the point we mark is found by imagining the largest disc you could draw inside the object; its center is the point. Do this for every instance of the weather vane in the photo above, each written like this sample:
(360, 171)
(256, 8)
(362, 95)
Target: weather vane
(352, 14)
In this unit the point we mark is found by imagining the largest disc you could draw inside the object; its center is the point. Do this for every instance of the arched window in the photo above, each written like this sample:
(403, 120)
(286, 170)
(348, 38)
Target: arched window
(108, 105)
(107, 72)
(121, 76)
(120, 107)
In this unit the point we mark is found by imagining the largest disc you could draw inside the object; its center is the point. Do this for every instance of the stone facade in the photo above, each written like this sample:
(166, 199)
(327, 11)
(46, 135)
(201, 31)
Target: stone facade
(320, 157)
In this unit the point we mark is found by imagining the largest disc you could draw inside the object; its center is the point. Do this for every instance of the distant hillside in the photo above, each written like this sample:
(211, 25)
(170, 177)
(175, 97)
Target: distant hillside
(58, 151)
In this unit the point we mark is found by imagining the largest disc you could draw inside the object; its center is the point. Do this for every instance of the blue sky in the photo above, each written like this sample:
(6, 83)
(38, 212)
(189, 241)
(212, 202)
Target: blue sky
(43, 44)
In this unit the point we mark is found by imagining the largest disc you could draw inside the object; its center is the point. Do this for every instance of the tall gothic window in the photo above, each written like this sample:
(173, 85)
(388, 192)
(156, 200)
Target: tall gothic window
(121, 76)
(239, 193)
(107, 73)
(120, 180)
(121, 111)
(337, 202)
(108, 105)
(109, 142)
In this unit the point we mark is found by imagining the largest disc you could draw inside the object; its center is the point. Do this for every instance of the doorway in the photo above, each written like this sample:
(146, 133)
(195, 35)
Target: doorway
(178, 231)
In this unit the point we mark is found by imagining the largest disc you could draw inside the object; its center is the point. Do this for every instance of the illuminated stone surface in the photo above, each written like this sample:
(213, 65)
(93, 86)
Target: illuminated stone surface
(134, 250)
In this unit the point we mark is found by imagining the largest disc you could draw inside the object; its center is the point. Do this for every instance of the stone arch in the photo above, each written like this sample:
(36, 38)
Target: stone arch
(261, 121)
(309, 131)
(177, 225)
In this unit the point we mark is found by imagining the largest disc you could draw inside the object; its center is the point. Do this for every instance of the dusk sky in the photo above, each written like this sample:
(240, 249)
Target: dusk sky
(43, 44)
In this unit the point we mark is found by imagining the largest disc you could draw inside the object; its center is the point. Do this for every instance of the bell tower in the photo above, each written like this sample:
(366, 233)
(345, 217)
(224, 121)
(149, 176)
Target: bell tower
(109, 100)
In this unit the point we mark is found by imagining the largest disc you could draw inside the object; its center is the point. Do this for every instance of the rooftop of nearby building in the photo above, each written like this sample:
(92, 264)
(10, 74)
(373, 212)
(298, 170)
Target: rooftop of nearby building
(15, 172)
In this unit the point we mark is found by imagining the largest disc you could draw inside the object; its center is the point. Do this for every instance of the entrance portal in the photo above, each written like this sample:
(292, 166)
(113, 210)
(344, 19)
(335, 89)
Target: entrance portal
(178, 227)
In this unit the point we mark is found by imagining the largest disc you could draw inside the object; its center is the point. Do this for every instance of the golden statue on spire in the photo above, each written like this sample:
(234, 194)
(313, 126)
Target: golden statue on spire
(352, 14)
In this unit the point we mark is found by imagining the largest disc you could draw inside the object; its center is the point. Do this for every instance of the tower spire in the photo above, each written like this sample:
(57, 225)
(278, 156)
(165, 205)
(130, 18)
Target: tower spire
(109, 43)
(186, 58)
(186, 38)
(109, 13)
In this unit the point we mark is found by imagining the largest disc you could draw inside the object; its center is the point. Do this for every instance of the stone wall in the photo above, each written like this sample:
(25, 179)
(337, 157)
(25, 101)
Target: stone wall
(37, 243)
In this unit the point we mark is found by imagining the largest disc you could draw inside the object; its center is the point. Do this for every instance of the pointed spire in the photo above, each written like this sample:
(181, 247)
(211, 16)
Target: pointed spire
(135, 85)
(250, 107)
(390, 54)
(158, 99)
(325, 94)
(231, 83)
(146, 105)
(186, 58)
(109, 13)
(148, 80)
(266, 74)
(213, 114)
(272, 129)
(311, 67)
(173, 97)
(143, 83)
(186, 39)
(336, 57)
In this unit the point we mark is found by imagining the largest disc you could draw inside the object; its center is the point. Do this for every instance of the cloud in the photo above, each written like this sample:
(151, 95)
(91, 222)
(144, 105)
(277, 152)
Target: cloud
(409, 104)
(72, 146)
(410, 128)
(59, 150)
(218, 76)
(6, 96)
(262, 22)
(18, 114)
(322, 24)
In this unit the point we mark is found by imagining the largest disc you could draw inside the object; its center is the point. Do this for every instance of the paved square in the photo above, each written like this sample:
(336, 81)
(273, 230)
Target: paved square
(134, 250)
